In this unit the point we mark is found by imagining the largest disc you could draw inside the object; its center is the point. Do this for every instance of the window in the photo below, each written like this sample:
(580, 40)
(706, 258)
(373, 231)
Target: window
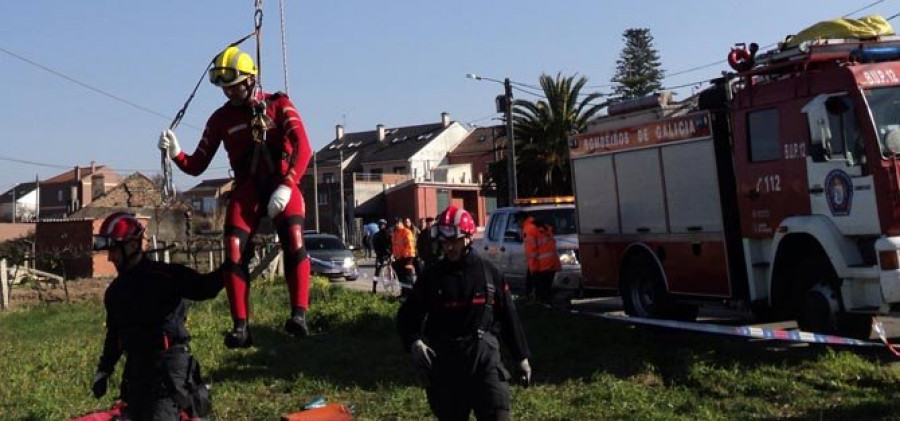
(59, 196)
(328, 178)
(323, 199)
(844, 127)
(377, 171)
(400, 170)
(495, 231)
(511, 225)
(762, 127)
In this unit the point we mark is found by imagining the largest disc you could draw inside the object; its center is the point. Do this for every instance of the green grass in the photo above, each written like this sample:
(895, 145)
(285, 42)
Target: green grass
(584, 368)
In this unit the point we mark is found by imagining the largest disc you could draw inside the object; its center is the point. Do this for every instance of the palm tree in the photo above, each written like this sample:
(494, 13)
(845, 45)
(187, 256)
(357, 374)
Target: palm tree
(542, 130)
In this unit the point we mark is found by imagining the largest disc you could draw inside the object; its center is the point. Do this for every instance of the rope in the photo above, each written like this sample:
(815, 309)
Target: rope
(283, 47)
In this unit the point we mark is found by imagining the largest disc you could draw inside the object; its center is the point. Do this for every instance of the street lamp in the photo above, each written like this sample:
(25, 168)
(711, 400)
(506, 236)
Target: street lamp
(506, 107)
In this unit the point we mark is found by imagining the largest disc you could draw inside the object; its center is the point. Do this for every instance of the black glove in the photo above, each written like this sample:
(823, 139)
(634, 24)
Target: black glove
(101, 379)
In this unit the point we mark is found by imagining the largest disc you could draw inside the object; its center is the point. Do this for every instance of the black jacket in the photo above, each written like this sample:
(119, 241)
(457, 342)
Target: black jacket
(146, 308)
(381, 243)
(450, 299)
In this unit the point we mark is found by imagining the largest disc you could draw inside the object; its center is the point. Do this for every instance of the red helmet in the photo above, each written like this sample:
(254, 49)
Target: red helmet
(118, 227)
(453, 222)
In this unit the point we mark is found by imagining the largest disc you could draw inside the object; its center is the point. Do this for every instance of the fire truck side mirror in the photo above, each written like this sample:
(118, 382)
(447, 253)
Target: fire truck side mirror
(819, 129)
(892, 141)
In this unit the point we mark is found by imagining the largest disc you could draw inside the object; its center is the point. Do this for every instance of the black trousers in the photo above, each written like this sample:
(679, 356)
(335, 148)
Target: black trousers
(146, 388)
(468, 376)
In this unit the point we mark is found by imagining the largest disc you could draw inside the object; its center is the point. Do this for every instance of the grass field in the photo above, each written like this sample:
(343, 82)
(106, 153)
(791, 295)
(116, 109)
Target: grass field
(585, 369)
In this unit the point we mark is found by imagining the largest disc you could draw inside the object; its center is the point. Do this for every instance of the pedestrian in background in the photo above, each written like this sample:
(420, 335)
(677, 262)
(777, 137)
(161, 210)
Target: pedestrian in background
(541, 254)
(381, 243)
(403, 248)
(425, 250)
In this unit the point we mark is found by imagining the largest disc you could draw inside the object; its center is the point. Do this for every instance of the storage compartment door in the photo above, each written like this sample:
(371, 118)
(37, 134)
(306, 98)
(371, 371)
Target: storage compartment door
(595, 188)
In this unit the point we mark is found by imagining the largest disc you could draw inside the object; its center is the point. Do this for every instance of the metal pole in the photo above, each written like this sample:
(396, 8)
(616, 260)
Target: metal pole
(511, 139)
(316, 189)
(341, 193)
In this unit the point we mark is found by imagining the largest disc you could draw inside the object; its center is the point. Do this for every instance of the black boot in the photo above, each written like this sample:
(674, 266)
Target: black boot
(240, 336)
(296, 325)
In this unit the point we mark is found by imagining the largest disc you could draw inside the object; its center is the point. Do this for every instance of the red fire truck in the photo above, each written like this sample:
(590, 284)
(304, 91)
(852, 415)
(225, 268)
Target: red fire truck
(777, 190)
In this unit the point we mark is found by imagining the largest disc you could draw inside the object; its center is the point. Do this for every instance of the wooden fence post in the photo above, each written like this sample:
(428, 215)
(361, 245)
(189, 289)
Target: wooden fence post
(4, 286)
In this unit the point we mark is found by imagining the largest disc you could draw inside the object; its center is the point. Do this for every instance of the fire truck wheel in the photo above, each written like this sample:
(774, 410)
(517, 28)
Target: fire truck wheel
(818, 309)
(643, 290)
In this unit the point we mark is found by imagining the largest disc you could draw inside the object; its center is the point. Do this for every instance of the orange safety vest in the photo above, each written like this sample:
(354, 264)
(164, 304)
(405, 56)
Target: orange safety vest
(540, 247)
(403, 243)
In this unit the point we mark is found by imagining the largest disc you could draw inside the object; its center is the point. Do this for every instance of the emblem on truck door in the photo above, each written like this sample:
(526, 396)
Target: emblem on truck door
(839, 192)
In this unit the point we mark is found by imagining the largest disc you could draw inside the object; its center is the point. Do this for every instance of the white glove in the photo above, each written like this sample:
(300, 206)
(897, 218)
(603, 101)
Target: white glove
(169, 143)
(279, 200)
(422, 354)
(524, 373)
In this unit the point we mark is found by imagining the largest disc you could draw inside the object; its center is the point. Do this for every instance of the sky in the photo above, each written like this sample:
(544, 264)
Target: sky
(98, 80)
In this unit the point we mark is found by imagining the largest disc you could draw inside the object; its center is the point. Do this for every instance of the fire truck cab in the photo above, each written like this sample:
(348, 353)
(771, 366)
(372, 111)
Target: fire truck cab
(777, 189)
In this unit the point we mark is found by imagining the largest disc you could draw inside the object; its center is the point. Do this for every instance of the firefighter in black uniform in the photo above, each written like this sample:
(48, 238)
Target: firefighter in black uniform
(464, 305)
(145, 315)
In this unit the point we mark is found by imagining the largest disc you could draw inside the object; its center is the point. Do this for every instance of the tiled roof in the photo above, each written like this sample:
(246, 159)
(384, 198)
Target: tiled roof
(20, 189)
(213, 183)
(482, 140)
(69, 176)
(400, 143)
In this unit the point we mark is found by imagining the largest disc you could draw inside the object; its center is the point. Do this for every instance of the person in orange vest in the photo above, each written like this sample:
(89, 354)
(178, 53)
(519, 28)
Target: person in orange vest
(403, 247)
(540, 252)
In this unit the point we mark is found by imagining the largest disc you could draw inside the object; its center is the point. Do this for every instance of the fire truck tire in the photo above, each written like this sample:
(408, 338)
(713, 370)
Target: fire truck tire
(644, 293)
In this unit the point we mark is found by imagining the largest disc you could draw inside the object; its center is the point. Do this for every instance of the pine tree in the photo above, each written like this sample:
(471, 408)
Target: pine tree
(638, 71)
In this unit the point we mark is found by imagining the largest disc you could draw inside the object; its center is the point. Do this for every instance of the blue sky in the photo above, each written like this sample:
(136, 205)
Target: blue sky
(352, 62)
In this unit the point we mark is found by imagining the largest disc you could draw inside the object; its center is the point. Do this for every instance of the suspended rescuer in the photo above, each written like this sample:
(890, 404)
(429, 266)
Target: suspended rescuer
(452, 321)
(541, 254)
(145, 316)
(268, 150)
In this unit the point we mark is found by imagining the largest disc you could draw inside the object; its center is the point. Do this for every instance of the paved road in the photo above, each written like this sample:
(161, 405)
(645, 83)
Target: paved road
(613, 306)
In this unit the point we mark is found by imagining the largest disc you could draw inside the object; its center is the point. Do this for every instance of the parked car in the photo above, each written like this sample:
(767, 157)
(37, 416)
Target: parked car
(330, 257)
(502, 243)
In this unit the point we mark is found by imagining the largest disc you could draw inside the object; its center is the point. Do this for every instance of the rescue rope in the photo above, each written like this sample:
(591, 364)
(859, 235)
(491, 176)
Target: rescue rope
(284, 64)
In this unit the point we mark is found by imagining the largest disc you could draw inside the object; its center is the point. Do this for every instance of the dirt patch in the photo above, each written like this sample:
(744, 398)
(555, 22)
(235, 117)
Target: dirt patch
(30, 294)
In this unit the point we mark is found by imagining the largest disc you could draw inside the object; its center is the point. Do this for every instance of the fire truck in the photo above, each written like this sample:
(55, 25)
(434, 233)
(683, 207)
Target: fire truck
(775, 190)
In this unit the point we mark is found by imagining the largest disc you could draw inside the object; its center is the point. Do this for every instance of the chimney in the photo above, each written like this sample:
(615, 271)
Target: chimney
(445, 119)
(98, 185)
(380, 129)
(77, 173)
(339, 132)
(93, 167)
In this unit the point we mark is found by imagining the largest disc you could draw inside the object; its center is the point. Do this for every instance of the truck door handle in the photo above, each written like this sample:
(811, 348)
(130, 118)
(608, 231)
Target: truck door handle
(643, 229)
(599, 230)
(753, 194)
(816, 190)
(695, 228)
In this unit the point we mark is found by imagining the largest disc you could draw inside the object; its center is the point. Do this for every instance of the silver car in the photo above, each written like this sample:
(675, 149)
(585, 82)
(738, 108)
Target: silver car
(329, 257)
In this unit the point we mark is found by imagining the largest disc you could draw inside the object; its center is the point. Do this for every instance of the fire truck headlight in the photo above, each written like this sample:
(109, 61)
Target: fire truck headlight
(568, 257)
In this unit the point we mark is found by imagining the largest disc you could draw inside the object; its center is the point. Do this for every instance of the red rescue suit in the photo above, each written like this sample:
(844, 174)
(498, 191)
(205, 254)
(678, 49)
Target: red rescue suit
(282, 161)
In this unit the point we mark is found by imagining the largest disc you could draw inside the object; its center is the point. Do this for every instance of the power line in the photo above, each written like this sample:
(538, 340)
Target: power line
(90, 87)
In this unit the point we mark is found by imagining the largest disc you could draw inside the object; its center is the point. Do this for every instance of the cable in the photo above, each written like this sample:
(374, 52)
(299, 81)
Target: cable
(87, 86)
(284, 60)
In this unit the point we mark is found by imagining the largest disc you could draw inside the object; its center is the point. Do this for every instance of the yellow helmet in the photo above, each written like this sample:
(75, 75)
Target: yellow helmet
(231, 67)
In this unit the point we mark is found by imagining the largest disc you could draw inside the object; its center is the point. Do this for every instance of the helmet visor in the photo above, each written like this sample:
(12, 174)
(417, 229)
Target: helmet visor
(445, 231)
(102, 243)
(224, 76)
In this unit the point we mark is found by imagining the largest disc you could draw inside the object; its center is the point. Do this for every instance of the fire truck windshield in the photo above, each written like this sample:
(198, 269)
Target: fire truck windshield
(885, 106)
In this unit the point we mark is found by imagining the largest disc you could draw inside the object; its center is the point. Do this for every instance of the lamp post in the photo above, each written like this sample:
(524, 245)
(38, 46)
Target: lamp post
(506, 107)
